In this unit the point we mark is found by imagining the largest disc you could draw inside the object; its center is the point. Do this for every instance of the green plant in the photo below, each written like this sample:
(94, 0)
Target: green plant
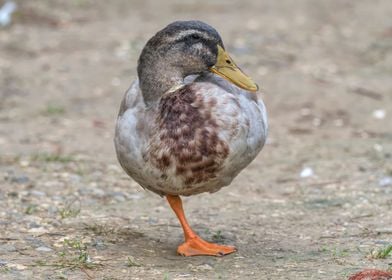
(30, 209)
(381, 253)
(71, 209)
(99, 229)
(73, 255)
(53, 110)
(218, 237)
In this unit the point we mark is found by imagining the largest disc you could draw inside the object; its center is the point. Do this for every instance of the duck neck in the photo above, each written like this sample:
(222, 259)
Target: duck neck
(157, 76)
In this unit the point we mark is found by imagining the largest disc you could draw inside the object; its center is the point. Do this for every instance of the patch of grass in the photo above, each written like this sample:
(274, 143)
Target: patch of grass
(131, 262)
(68, 213)
(102, 230)
(382, 253)
(218, 237)
(324, 249)
(5, 269)
(53, 110)
(74, 255)
(82, 257)
(166, 276)
(30, 209)
(46, 157)
(71, 209)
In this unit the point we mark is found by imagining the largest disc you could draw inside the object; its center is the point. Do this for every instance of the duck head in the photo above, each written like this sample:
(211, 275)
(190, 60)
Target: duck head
(184, 48)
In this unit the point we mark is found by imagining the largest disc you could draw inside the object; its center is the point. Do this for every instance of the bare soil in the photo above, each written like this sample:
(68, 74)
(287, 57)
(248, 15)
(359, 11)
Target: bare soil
(68, 211)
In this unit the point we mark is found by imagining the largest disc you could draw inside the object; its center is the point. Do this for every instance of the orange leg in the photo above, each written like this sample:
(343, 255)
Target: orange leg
(194, 245)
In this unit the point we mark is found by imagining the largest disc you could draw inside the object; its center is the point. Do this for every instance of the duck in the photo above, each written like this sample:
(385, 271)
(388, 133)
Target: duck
(190, 122)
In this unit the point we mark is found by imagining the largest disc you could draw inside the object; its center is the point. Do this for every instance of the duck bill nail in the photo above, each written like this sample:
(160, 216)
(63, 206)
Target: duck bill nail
(226, 68)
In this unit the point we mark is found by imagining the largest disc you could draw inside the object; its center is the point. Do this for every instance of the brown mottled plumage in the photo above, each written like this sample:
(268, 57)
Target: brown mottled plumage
(188, 134)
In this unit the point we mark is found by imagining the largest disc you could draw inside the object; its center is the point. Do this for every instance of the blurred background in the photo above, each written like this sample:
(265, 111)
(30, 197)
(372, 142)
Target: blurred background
(315, 204)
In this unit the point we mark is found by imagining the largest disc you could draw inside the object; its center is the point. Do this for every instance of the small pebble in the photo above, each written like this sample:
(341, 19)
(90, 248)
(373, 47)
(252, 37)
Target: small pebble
(119, 198)
(17, 266)
(316, 122)
(43, 249)
(7, 248)
(385, 181)
(99, 192)
(38, 230)
(35, 242)
(34, 225)
(6, 12)
(74, 178)
(24, 163)
(22, 179)
(134, 196)
(378, 147)
(379, 114)
(99, 244)
(306, 172)
(204, 267)
(37, 193)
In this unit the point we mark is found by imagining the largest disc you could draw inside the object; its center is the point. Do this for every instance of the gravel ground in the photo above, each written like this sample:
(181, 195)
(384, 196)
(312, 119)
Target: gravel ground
(68, 211)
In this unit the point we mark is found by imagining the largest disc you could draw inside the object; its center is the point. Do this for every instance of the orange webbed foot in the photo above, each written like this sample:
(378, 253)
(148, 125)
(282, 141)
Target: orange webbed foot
(194, 245)
(198, 247)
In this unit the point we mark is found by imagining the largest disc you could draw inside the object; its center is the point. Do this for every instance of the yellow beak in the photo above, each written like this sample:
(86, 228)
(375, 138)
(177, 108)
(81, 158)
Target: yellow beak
(226, 68)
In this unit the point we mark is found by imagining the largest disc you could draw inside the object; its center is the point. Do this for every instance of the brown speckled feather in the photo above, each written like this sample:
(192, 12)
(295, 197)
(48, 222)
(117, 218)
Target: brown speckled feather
(187, 140)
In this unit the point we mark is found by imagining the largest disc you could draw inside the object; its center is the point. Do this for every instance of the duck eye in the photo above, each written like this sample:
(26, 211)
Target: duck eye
(195, 36)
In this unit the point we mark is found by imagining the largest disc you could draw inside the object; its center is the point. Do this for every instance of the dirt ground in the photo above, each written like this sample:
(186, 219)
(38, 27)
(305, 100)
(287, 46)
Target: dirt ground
(68, 211)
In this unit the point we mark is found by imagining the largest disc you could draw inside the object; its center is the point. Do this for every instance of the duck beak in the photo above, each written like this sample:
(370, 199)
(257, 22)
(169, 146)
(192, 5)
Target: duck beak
(226, 68)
